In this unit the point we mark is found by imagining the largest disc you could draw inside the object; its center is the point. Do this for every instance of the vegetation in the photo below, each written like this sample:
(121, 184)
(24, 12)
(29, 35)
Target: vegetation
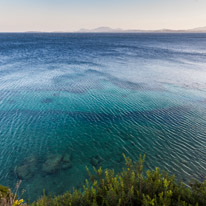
(130, 187)
(9, 199)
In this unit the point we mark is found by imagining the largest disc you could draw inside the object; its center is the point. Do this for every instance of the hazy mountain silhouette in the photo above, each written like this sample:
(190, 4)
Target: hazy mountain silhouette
(119, 30)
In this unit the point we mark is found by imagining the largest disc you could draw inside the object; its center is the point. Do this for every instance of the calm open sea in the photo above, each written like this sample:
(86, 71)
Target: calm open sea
(68, 101)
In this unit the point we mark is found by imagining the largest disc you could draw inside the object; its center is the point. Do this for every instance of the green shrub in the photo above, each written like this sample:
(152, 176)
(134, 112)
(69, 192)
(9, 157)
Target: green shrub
(7, 198)
(4, 194)
(130, 187)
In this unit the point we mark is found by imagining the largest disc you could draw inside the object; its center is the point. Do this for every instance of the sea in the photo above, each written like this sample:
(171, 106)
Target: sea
(74, 100)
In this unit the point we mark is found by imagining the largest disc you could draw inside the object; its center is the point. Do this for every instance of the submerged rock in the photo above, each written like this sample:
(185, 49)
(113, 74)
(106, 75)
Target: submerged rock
(95, 161)
(52, 163)
(66, 161)
(23, 172)
(28, 169)
(66, 158)
(56, 162)
(66, 165)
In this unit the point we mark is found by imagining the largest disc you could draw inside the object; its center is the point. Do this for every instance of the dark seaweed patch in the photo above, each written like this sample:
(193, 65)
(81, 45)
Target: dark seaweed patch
(172, 115)
(47, 100)
(56, 94)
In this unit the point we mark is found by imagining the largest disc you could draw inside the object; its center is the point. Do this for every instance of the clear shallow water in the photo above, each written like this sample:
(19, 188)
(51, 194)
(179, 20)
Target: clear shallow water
(96, 96)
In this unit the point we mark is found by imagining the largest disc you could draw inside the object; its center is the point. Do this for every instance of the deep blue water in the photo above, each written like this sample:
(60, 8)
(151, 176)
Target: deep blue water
(96, 96)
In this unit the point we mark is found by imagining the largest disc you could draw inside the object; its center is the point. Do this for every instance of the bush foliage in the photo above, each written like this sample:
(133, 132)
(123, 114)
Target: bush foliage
(130, 187)
(9, 199)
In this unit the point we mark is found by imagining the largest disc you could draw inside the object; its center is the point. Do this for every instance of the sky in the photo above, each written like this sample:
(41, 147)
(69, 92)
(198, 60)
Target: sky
(72, 15)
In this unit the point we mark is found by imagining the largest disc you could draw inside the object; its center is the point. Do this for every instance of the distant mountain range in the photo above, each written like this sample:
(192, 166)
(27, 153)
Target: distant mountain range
(118, 30)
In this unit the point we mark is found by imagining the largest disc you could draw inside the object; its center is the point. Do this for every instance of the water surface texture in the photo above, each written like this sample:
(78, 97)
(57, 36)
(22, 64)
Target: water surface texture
(68, 101)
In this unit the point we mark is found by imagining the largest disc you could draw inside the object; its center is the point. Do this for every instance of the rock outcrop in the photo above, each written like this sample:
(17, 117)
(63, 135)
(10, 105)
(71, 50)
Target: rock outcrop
(28, 169)
(56, 162)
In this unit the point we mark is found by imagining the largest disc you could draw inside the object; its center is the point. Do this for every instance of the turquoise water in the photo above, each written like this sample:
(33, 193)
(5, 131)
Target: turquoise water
(96, 96)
